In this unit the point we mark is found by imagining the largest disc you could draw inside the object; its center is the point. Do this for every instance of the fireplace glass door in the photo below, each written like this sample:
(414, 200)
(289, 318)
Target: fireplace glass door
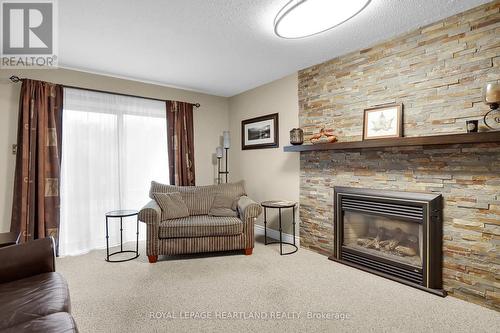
(389, 238)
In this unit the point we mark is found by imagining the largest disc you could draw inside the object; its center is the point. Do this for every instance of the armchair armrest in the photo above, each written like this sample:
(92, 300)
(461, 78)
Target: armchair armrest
(150, 213)
(27, 259)
(248, 208)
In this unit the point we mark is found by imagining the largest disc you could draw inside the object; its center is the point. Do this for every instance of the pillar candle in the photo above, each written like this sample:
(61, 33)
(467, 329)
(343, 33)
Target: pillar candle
(227, 142)
(218, 152)
(492, 93)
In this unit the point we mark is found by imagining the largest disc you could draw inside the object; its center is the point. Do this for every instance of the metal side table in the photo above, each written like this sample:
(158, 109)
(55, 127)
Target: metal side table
(278, 204)
(121, 214)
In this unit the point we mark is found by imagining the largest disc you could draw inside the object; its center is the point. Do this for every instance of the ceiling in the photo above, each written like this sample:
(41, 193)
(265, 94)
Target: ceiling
(220, 47)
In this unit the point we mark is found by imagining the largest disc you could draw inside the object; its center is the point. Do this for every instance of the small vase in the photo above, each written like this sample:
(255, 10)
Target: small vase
(296, 136)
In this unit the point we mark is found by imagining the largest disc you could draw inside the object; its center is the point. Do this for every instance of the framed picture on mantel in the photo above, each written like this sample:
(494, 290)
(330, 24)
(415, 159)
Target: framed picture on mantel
(260, 132)
(383, 121)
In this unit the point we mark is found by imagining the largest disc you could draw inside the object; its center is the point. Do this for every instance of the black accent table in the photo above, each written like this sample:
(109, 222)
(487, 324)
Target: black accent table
(121, 214)
(280, 205)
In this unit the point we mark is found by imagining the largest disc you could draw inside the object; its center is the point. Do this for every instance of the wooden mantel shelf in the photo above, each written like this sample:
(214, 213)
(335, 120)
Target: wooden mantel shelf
(448, 139)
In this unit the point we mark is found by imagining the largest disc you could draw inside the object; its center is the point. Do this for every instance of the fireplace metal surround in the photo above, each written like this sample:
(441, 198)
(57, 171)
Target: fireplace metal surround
(405, 216)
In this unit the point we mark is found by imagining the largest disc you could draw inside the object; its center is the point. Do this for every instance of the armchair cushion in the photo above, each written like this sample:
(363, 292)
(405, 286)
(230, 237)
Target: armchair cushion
(232, 190)
(223, 205)
(200, 226)
(172, 205)
(223, 212)
(198, 200)
(33, 297)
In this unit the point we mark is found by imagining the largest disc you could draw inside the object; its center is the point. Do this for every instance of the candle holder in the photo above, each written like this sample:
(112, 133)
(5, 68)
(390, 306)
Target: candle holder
(218, 170)
(491, 97)
(223, 152)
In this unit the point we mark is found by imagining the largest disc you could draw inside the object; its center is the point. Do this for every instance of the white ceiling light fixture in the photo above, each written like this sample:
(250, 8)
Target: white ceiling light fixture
(303, 18)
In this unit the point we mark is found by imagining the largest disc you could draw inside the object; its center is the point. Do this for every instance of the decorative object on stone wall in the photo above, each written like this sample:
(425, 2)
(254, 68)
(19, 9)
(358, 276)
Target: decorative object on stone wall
(260, 132)
(472, 126)
(324, 136)
(491, 97)
(383, 121)
(296, 136)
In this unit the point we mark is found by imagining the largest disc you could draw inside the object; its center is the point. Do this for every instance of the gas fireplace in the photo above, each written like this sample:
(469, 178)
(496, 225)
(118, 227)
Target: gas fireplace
(397, 235)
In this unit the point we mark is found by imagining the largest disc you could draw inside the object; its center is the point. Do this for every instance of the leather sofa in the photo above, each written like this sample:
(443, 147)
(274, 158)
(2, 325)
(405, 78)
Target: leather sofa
(33, 296)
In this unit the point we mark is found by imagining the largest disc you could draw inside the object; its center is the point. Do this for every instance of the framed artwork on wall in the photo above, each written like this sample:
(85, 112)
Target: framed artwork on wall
(383, 121)
(260, 132)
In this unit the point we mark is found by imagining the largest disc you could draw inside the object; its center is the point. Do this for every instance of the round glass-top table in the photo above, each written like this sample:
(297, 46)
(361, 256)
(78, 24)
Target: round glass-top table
(122, 214)
(280, 204)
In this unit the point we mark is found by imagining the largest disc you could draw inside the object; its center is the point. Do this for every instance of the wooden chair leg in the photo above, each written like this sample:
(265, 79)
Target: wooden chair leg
(248, 252)
(153, 259)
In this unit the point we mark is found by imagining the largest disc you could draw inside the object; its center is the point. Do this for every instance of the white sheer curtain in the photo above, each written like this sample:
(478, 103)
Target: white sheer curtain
(113, 146)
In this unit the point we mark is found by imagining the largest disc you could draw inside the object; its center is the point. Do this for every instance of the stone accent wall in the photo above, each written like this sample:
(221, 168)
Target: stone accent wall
(437, 72)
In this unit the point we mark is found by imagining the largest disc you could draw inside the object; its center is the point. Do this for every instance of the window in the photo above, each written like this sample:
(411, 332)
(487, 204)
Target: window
(113, 147)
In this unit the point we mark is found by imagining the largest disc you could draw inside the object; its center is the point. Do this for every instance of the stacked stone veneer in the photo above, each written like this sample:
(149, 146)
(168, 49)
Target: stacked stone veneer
(437, 72)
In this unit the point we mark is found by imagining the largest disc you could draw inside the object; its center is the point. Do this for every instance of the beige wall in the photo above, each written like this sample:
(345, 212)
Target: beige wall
(269, 173)
(209, 120)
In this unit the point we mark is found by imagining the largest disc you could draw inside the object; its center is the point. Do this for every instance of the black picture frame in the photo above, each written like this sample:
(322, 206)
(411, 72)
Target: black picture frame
(274, 139)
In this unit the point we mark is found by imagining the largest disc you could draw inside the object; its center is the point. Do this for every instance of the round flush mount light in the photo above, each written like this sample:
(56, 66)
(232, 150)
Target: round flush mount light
(303, 18)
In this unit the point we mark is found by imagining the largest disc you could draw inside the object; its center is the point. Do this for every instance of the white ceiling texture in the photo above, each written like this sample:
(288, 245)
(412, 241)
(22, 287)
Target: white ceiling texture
(220, 47)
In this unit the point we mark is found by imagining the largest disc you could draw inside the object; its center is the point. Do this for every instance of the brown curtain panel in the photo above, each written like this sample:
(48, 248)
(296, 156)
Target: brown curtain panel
(180, 143)
(35, 209)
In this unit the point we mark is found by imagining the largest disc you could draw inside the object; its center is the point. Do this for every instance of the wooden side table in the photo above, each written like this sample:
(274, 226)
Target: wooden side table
(9, 238)
(280, 205)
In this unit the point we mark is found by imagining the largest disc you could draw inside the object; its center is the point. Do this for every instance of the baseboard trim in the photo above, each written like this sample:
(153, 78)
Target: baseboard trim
(274, 234)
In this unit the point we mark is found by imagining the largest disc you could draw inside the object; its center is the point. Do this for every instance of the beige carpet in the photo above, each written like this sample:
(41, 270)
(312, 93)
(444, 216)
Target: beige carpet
(304, 292)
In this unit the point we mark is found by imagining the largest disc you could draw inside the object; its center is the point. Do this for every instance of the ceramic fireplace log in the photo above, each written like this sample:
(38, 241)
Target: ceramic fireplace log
(406, 251)
(400, 243)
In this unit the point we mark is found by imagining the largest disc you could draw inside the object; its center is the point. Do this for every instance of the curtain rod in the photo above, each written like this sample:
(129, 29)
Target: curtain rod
(16, 79)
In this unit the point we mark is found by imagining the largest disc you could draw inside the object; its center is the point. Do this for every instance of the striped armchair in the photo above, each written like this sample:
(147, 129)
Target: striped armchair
(199, 232)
